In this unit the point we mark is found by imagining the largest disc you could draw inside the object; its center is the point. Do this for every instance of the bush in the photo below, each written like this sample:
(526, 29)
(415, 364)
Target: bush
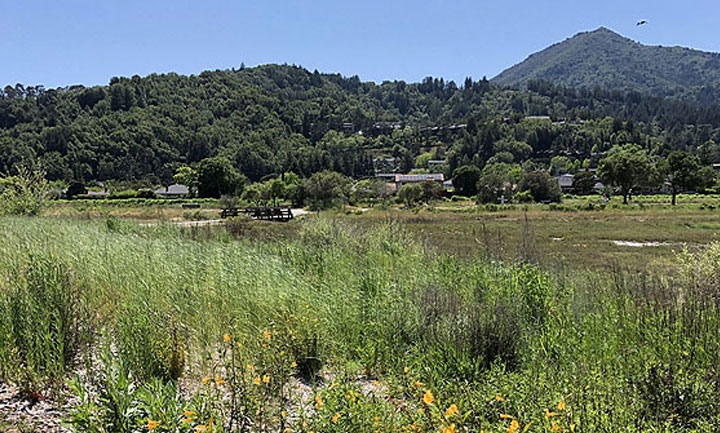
(24, 194)
(524, 197)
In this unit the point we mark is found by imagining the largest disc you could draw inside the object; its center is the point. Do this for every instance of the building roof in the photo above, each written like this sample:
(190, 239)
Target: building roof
(174, 189)
(419, 177)
(565, 180)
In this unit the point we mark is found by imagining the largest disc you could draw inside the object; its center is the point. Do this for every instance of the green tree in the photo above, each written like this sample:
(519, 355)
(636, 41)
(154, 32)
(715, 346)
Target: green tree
(681, 171)
(254, 193)
(541, 186)
(276, 189)
(370, 191)
(325, 189)
(497, 181)
(431, 190)
(217, 177)
(422, 160)
(187, 176)
(584, 183)
(561, 165)
(465, 180)
(625, 167)
(410, 194)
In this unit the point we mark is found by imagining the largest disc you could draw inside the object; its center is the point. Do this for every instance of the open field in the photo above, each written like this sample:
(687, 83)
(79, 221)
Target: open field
(379, 321)
(645, 234)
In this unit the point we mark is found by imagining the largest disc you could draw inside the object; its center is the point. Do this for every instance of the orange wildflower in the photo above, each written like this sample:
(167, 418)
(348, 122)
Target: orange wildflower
(451, 411)
(152, 424)
(428, 398)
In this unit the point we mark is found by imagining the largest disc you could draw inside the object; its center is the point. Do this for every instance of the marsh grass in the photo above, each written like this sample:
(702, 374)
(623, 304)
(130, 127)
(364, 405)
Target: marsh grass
(157, 309)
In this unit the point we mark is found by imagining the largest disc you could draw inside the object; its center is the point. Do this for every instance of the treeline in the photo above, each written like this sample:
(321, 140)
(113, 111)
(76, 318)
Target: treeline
(274, 119)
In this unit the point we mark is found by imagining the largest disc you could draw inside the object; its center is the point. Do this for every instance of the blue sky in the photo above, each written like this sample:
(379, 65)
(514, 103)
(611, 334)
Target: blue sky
(58, 43)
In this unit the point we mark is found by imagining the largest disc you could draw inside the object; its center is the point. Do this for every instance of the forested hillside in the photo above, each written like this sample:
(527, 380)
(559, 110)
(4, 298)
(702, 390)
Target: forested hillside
(606, 59)
(272, 119)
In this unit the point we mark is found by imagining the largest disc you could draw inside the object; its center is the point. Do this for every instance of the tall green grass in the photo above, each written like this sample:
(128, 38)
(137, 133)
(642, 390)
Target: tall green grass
(624, 352)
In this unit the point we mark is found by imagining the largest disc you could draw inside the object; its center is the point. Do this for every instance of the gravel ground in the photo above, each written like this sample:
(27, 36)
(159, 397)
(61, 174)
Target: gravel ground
(17, 415)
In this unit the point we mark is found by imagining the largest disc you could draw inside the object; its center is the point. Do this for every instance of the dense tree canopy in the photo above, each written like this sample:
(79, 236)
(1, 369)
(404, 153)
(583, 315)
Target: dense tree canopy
(272, 119)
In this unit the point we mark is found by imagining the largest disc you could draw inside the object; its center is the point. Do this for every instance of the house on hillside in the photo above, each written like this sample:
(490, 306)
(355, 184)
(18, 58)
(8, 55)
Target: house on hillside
(565, 181)
(174, 191)
(404, 179)
(436, 163)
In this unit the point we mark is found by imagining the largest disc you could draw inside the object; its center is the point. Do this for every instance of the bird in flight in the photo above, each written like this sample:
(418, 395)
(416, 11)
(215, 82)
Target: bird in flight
(641, 22)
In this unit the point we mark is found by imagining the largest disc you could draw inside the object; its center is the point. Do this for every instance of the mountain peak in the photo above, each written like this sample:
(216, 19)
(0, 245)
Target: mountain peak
(607, 59)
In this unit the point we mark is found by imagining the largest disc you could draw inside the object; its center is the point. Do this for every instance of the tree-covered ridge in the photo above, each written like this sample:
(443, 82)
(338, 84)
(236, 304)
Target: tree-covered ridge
(273, 119)
(608, 60)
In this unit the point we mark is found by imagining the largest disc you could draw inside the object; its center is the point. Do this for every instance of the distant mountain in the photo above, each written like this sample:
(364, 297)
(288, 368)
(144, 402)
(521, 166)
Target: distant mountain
(606, 59)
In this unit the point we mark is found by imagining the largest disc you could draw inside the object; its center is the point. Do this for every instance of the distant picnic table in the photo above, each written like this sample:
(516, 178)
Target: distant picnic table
(268, 213)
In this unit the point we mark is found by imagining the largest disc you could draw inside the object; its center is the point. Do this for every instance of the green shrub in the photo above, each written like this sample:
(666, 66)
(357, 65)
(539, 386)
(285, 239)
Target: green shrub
(27, 193)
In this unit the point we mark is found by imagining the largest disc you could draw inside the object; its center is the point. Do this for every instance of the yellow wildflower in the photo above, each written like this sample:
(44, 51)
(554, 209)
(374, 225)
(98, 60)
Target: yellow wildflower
(452, 410)
(205, 380)
(283, 414)
(152, 424)
(336, 418)
(572, 428)
(561, 405)
(187, 420)
(449, 429)
(257, 380)
(266, 379)
(250, 367)
(549, 414)
(421, 411)
(514, 426)
(219, 381)
(555, 427)
(406, 369)
(267, 335)
(498, 398)
(377, 422)
(428, 398)
(318, 402)
(293, 364)
(226, 338)
(418, 384)
(506, 416)
(188, 413)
